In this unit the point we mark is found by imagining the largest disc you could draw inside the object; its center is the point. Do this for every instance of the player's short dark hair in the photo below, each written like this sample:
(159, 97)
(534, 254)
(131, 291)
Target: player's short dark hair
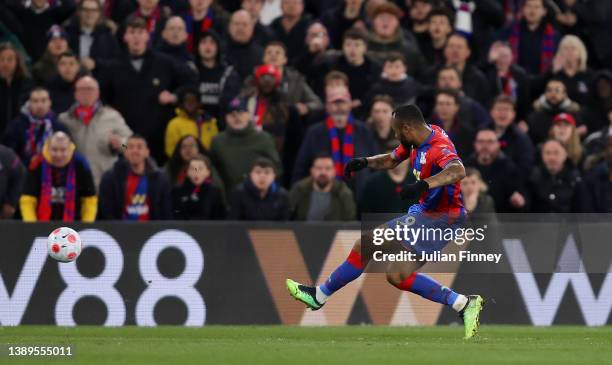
(277, 44)
(504, 99)
(264, 163)
(442, 11)
(355, 34)
(187, 90)
(135, 22)
(394, 57)
(336, 75)
(67, 54)
(409, 113)
(448, 92)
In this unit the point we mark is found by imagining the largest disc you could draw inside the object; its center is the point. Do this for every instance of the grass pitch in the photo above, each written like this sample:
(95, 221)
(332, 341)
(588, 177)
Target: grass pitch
(326, 345)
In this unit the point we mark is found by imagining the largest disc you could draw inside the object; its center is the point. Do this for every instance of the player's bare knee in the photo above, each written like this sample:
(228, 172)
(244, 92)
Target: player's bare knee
(394, 278)
(357, 246)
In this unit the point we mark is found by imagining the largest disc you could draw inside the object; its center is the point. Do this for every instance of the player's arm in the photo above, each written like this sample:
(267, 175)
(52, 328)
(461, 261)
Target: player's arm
(384, 161)
(452, 172)
(379, 162)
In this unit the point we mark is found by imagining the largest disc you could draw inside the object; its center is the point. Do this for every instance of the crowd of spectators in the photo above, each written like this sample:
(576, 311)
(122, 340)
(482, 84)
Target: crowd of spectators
(248, 110)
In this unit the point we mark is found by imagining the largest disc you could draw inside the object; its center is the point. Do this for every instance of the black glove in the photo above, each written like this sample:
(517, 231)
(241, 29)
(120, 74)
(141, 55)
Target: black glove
(412, 192)
(355, 164)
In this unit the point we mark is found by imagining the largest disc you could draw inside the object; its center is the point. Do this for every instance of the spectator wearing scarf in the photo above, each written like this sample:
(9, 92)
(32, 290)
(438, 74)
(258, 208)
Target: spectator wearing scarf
(154, 17)
(507, 78)
(202, 17)
(340, 135)
(27, 134)
(98, 130)
(533, 35)
(59, 185)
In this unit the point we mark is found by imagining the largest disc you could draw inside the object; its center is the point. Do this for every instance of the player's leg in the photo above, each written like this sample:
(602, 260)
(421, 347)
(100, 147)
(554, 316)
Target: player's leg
(404, 277)
(315, 297)
(468, 307)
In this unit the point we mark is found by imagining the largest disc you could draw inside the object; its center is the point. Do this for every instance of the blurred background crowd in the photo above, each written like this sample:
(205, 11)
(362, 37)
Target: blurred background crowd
(248, 110)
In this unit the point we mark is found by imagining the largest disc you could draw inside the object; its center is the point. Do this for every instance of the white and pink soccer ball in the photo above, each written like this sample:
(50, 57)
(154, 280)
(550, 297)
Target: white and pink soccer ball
(64, 244)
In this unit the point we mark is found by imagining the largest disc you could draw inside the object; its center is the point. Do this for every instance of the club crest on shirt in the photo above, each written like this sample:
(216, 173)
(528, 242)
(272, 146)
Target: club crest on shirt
(408, 221)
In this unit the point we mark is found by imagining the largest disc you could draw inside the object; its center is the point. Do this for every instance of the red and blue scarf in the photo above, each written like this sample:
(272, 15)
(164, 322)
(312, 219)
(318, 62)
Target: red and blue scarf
(348, 147)
(35, 140)
(547, 47)
(205, 24)
(45, 204)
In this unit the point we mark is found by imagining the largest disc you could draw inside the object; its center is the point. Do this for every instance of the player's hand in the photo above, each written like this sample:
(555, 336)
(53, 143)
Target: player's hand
(412, 192)
(355, 164)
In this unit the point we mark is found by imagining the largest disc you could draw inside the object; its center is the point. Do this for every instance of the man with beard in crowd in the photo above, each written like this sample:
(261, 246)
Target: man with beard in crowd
(321, 197)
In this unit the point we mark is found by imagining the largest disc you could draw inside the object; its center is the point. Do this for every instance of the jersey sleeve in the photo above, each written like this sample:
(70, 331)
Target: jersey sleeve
(443, 155)
(400, 153)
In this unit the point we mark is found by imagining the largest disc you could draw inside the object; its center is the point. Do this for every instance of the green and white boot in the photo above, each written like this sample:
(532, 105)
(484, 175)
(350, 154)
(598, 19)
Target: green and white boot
(471, 315)
(304, 294)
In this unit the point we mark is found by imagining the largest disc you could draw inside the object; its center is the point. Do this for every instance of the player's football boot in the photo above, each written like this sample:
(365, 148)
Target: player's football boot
(304, 294)
(471, 315)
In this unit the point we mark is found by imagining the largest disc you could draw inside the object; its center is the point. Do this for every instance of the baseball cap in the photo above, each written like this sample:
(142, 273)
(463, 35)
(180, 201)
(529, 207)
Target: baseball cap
(56, 32)
(237, 105)
(564, 117)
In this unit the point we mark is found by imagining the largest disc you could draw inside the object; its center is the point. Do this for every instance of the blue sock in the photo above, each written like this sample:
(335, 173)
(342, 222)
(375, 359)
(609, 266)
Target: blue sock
(429, 289)
(348, 271)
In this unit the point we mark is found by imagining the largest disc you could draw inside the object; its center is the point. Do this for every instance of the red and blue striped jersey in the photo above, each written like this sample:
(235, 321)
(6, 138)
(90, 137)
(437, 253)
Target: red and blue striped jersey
(429, 159)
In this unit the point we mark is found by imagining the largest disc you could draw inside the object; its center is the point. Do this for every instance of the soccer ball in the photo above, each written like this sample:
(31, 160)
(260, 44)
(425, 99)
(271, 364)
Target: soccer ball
(64, 244)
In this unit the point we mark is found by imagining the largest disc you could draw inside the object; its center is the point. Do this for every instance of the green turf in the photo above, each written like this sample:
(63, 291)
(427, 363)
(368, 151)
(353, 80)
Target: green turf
(337, 345)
